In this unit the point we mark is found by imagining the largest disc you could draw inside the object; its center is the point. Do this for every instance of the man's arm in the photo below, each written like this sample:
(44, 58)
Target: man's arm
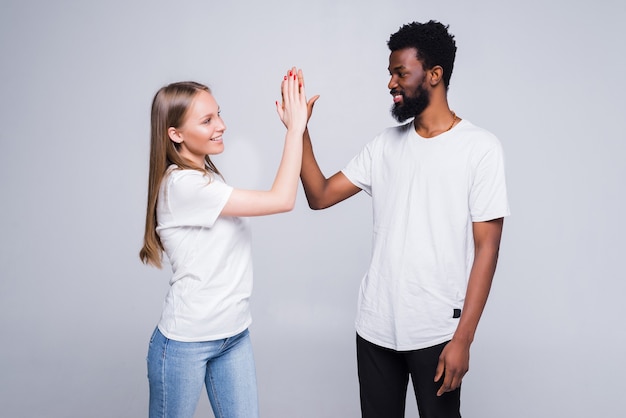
(454, 359)
(322, 192)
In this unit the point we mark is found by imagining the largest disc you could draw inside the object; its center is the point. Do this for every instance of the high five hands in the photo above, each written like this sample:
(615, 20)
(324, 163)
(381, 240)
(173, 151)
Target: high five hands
(293, 109)
(288, 88)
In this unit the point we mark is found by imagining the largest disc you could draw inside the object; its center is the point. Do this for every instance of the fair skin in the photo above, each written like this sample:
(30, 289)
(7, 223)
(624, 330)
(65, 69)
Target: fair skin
(202, 134)
(407, 74)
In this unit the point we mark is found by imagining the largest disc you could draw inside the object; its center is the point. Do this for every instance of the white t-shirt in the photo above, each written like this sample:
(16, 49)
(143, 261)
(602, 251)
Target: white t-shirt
(426, 192)
(210, 257)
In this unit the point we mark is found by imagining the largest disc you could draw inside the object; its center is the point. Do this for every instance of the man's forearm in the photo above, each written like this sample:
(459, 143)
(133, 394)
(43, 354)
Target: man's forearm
(313, 180)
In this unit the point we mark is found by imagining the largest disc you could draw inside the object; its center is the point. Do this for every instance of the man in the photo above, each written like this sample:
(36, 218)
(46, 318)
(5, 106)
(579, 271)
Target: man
(439, 197)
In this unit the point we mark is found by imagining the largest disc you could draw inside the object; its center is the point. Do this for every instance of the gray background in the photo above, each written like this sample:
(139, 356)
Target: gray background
(77, 307)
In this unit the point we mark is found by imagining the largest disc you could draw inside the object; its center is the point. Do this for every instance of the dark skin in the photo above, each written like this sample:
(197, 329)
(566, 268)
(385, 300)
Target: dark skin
(408, 78)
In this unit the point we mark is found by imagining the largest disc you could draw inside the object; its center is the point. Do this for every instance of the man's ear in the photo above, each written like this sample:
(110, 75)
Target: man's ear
(436, 75)
(174, 135)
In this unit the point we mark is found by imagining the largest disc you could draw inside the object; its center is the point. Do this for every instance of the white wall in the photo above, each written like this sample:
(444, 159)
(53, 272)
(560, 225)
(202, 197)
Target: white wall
(77, 307)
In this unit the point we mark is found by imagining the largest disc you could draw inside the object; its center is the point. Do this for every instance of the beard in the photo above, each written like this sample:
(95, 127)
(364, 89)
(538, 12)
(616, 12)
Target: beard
(411, 106)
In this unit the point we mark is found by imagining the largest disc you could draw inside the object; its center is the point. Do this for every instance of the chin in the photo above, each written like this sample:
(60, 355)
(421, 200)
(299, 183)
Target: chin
(215, 150)
(399, 115)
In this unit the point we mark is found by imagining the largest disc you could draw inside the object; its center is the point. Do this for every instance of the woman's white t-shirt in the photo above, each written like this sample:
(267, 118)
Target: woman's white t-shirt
(210, 256)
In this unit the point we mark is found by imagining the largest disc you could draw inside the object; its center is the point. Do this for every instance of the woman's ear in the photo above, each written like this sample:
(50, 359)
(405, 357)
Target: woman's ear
(174, 135)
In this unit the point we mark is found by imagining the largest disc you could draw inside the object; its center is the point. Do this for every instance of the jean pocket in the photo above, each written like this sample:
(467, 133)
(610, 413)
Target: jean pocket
(154, 334)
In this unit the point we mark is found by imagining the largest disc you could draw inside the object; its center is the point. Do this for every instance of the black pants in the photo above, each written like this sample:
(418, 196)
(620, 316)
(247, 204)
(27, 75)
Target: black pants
(384, 376)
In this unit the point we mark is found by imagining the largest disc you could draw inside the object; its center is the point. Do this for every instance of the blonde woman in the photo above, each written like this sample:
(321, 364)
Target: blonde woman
(200, 223)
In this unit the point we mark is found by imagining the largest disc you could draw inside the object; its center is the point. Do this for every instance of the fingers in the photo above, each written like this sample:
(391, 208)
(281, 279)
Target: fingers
(440, 368)
(309, 106)
(284, 92)
(445, 387)
(284, 109)
(451, 382)
(295, 88)
(439, 373)
(300, 78)
(289, 90)
(293, 85)
(293, 108)
(452, 377)
(313, 99)
(279, 109)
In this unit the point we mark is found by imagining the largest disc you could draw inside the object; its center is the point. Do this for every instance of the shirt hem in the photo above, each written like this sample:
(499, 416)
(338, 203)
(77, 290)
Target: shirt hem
(212, 337)
(403, 347)
(487, 218)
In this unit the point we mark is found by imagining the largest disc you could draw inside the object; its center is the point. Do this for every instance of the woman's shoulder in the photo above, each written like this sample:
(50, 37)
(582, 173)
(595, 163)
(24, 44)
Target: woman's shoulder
(190, 181)
(175, 174)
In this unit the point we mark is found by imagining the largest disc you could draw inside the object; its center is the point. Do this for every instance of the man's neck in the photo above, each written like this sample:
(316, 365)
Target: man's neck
(436, 119)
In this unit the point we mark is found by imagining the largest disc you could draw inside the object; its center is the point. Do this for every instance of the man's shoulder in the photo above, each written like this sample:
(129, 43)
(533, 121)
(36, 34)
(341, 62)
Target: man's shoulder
(476, 134)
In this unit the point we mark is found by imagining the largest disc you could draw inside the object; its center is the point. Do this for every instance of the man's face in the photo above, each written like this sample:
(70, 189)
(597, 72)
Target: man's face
(407, 84)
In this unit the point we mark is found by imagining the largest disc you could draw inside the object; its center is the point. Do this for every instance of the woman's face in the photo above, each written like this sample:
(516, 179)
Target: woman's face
(201, 133)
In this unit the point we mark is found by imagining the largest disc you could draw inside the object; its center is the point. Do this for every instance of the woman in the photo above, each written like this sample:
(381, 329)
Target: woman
(196, 219)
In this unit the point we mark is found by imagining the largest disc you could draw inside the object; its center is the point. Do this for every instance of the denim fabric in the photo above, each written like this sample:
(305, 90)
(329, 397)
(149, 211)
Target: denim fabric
(178, 370)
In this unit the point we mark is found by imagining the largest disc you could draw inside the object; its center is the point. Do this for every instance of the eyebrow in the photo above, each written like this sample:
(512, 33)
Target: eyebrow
(396, 68)
(211, 114)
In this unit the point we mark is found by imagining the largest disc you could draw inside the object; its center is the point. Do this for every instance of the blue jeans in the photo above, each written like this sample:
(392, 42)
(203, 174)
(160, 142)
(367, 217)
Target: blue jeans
(178, 370)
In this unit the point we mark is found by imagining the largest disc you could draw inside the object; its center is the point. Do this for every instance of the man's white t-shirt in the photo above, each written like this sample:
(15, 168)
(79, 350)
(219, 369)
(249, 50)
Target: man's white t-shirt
(210, 257)
(426, 193)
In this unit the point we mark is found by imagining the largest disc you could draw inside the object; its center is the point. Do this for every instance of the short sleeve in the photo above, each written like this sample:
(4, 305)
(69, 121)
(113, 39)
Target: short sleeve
(192, 198)
(488, 195)
(359, 169)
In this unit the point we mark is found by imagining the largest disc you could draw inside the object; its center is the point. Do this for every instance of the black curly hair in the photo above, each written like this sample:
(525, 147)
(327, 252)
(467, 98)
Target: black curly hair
(435, 46)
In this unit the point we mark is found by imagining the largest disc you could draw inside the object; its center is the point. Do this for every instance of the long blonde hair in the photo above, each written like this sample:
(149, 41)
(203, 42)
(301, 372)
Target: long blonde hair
(169, 109)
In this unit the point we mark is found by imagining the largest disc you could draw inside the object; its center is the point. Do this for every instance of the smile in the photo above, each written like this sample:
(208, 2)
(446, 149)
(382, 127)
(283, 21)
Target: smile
(397, 97)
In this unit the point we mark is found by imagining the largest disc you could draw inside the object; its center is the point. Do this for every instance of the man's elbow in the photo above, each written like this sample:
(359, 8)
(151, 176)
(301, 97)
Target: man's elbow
(316, 204)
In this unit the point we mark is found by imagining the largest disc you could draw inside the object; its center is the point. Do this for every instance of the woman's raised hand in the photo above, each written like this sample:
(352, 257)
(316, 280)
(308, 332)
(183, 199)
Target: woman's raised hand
(293, 109)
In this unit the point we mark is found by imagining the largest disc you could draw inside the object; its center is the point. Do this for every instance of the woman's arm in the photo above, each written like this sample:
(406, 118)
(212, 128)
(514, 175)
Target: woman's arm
(282, 196)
